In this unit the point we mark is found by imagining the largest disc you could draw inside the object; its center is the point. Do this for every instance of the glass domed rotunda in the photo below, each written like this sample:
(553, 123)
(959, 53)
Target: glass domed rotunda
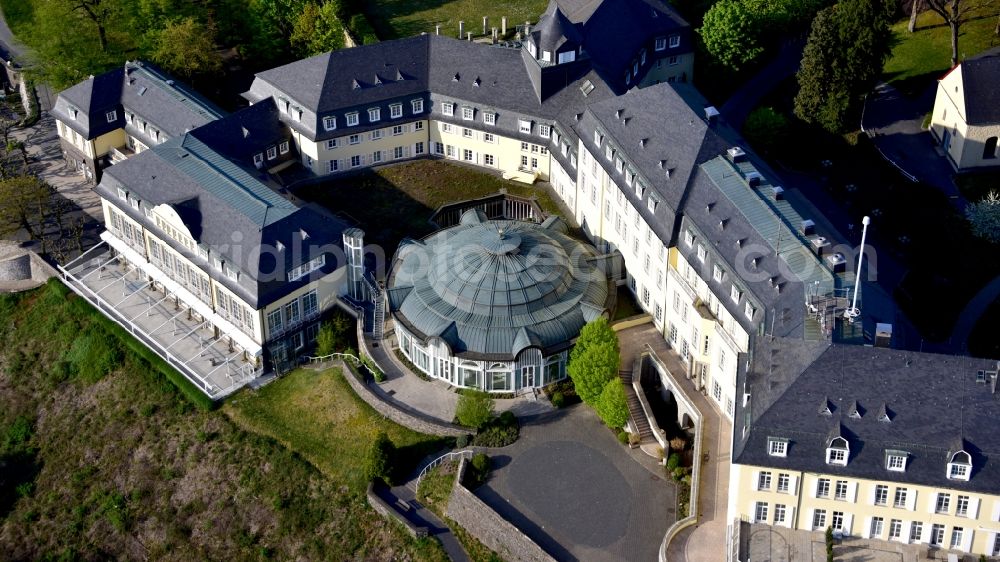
(495, 304)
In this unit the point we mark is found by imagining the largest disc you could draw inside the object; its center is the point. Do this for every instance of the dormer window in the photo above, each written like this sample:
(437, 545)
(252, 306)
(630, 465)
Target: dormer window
(598, 138)
(468, 113)
(837, 452)
(524, 126)
(777, 447)
(717, 273)
(122, 193)
(374, 114)
(448, 109)
(544, 131)
(735, 293)
(417, 105)
(111, 116)
(896, 461)
(352, 119)
(547, 56)
(661, 43)
(749, 310)
(396, 110)
(960, 466)
(689, 237)
(675, 41)
(330, 122)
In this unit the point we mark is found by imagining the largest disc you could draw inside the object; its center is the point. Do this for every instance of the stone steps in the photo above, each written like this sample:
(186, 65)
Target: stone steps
(635, 409)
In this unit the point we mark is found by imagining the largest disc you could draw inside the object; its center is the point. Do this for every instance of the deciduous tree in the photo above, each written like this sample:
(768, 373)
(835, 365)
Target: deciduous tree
(594, 360)
(612, 407)
(317, 30)
(24, 201)
(955, 13)
(187, 47)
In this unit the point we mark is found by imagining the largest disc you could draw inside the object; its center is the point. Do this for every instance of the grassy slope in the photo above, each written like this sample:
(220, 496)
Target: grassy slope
(120, 465)
(924, 55)
(403, 18)
(435, 491)
(398, 200)
(318, 416)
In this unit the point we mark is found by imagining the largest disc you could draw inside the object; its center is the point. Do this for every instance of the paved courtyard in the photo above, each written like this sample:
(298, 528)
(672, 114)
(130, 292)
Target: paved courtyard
(571, 487)
(777, 544)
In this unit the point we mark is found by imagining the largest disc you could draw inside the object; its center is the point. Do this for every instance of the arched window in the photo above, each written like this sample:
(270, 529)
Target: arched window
(990, 148)
(960, 466)
(838, 451)
(498, 377)
(468, 374)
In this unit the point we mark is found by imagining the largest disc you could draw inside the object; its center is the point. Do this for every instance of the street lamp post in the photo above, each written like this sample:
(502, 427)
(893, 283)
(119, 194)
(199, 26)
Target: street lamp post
(854, 311)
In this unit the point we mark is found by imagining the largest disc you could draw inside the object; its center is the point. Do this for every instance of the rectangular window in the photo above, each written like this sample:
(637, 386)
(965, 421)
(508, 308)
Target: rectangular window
(439, 148)
(355, 161)
(524, 126)
(418, 126)
(467, 155)
(837, 521)
(396, 110)
(876, 528)
(840, 491)
(309, 304)
(943, 503)
(111, 116)
(331, 144)
(333, 165)
(702, 253)
(450, 151)
(376, 157)
(417, 106)
(397, 152)
(764, 481)
(735, 293)
(962, 506)
(688, 237)
(661, 43)
(468, 113)
(283, 147)
(490, 118)
(448, 108)
(881, 494)
(467, 133)
(418, 148)
(397, 130)
(489, 137)
(374, 114)
(354, 139)
(352, 118)
(819, 519)
(717, 273)
(544, 131)
(330, 122)
(896, 463)
(899, 500)
(272, 152)
(779, 513)
(274, 321)
(760, 512)
(675, 41)
(375, 135)
(749, 311)
(895, 529)
(916, 531)
(672, 60)
(783, 481)
(489, 160)
(956, 537)
(292, 313)
(823, 488)
(937, 534)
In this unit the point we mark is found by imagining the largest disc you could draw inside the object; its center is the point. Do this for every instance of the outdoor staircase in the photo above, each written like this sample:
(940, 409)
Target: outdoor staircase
(635, 409)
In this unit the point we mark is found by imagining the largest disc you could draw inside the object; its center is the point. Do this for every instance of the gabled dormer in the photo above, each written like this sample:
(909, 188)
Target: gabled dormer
(555, 39)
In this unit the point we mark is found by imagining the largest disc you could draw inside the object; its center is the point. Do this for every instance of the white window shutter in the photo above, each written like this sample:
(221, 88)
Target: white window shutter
(813, 488)
(871, 495)
(852, 492)
(848, 521)
(752, 512)
(808, 525)
(911, 500)
(932, 503)
(790, 517)
(996, 511)
(756, 480)
(793, 485)
(866, 531)
(966, 540)
(907, 529)
(973, 508)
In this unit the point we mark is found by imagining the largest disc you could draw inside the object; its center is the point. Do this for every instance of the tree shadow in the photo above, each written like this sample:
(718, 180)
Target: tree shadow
(17, 474)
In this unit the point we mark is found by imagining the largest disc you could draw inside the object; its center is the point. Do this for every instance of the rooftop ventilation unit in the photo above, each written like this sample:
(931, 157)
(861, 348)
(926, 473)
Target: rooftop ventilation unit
(808, 227)
(711, 113)
(753, 178)
(778, 193)
(736, 154)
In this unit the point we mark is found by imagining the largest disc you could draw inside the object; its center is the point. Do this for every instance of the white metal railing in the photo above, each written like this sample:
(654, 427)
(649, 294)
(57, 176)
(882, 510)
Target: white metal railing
(449, 456)
(156, 347)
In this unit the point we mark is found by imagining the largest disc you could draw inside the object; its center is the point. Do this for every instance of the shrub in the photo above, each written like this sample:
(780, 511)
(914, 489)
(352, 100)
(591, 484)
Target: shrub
(507, 418)
(474, 408)
(381, 456)
(499, 432)
(611, 406)
(325, 340)
(623, 437)
(829, 544)
(479, 469)
(94, 355)
(673, 462)
(462, 441)
(558, 400)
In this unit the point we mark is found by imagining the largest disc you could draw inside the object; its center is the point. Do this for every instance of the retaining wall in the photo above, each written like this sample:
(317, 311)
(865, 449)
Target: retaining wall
(489, 527)
(389, 512)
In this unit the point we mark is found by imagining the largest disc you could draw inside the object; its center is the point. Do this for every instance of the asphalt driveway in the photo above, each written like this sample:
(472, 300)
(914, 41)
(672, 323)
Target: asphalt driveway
(571, 487)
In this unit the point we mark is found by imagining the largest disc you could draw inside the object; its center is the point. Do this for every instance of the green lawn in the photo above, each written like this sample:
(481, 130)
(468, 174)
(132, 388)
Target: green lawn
(396, 201)
(921, 57)
(103, 458)
(317, 415)
(402, 18)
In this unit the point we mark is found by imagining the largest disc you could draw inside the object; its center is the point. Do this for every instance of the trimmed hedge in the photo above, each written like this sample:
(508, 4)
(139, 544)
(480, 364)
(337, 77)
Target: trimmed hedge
(155, 362)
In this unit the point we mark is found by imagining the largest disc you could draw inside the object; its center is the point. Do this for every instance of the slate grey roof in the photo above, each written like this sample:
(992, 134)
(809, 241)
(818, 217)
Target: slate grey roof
(554, 31)
(166, 104)
(932, 401)
(229, 210)
(246, 132)
(981, 83)
(490, 289)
